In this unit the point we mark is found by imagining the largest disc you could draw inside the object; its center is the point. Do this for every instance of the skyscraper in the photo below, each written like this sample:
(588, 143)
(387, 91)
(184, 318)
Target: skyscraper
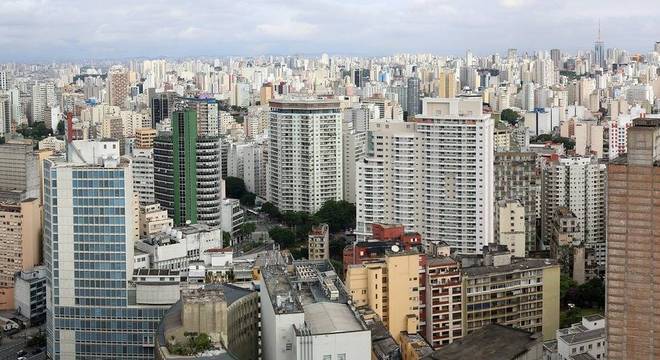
(187, 168)
(633, 226)
(93, 311)
(433, 175)
(305, 155)
(413, 96)
(599, 51)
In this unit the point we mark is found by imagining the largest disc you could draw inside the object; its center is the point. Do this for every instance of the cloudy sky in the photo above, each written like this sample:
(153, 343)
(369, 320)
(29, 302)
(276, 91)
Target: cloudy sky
(44, 30)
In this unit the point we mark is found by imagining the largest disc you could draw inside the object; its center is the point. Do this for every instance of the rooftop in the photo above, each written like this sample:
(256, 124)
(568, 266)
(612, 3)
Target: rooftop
(306, 282)
(492, 342)
(516, 265)
(588, 335)
(154, 272)
(328, 317)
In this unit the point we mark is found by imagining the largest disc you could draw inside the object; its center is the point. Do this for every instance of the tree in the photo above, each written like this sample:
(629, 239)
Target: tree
(282, 236)
(510, 116)
(248, 199)
(340, 215)
(271, 210)
(226, 239)
(234, 187)
(565, 283)
(60, 127)
(247, 229)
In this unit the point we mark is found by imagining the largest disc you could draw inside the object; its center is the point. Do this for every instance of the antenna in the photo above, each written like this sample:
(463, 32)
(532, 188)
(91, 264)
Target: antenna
(598, 29)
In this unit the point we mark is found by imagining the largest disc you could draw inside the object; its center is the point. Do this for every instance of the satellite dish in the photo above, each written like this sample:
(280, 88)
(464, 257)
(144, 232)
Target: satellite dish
(395, 248)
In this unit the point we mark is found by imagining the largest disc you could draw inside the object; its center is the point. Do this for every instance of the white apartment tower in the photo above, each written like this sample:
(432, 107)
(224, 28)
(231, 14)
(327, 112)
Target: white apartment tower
(433, 175)
(579, 184)
(305, 154)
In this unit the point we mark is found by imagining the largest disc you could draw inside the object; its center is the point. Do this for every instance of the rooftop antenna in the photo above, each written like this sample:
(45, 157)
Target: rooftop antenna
(598, 29)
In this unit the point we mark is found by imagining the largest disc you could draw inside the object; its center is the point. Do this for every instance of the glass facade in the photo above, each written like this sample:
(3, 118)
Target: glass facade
(90, 311)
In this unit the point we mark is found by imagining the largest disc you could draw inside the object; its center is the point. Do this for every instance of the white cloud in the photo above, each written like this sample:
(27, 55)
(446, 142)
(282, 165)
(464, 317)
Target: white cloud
(48, 29)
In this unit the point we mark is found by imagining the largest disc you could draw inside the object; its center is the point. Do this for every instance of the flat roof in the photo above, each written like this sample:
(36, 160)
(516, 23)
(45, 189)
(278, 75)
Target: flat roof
(583, 336)
(520, 265)
(329, 317)
(492, 342)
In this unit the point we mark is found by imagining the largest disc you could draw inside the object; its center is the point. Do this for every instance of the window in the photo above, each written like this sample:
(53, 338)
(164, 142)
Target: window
(289, 346)
(327, 357)
(341, 356)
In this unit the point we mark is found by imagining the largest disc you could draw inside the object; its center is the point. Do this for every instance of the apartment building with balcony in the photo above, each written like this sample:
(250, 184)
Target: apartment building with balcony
(433, 175)
(523, 293)
(579, 184)
(305, 154)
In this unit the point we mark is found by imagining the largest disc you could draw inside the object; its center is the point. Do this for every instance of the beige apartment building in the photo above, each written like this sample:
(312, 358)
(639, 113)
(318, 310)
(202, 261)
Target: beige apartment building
(510, 226)
(521, 293)
(20, 226)
(152, 220)
(144, 138)
(370, 283)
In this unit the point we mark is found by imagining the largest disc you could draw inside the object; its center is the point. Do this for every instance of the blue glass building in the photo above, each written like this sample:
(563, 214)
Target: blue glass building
(88, 251)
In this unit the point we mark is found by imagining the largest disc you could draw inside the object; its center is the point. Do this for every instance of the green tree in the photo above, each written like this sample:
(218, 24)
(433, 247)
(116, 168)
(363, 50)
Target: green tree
(60, 127)
(234, 187)
(510, 116)
(248, 199)
(271, 210)
(282, 236)
(340, 215)
(565, 283)
(247, 229)
(226, 239)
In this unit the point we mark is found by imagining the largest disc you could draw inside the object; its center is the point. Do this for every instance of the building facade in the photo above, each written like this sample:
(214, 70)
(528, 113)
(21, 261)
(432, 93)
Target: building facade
(632, 226)
(305, 154)
(434, 175)
(187, 170)
(88, 252)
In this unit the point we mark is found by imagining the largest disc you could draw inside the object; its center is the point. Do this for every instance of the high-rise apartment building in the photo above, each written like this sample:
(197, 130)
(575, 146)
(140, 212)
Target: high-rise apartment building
(187, 168)
(633, 226)
(94, 309)
(43, 97)
(433, 175)
(447, 84)
(355, 146)
(143, 175)
(118, 86)
(20, 243)
(19, 171)
(579, 184)
(516, 178)
(305, 154)
(3, 80)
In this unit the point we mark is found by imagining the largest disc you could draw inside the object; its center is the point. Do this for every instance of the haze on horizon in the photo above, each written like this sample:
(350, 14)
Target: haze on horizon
(47, 30)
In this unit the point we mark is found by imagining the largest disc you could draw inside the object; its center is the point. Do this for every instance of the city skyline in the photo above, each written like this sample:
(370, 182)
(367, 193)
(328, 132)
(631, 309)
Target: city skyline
(81, 30)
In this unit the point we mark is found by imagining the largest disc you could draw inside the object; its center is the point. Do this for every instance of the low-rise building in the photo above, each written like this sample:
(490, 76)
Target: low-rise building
(586, 338)
(153, 219)
(318, 243)
(523, 293)
(175, 248)
(414, 347)
(305, 310)
(494, 342)
(30, 294)
(233, 216)
(228, 314)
